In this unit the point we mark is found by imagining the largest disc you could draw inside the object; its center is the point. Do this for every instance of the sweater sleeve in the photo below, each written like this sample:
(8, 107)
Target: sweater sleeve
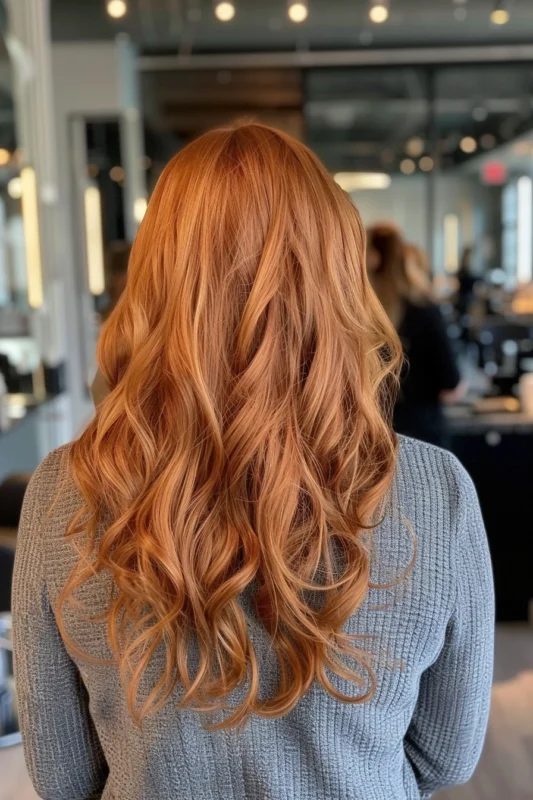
(446, 734)
(61, 747)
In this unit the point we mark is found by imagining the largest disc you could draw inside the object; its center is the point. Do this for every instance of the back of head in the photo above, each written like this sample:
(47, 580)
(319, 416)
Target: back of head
(245, 442)
(388, 268)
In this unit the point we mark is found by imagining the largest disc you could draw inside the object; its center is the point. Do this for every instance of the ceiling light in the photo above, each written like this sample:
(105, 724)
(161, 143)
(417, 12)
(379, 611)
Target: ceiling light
(379, 11)
(468, 144)
(353, 181)
(116, 8)
(415, 146)
(5, 156)
(480, 113)
(487, 141)
(407, 166)
(224, 11)
(116, 174)
(14, 188)
(426, 164)
(500, 15)
(297, 11)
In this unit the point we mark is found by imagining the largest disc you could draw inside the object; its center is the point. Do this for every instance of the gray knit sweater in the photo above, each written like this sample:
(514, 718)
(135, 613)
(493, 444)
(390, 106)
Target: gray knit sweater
(424, 728)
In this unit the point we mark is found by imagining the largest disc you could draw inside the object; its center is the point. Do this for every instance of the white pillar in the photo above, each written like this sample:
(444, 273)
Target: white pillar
(29, 45)
(131, 135)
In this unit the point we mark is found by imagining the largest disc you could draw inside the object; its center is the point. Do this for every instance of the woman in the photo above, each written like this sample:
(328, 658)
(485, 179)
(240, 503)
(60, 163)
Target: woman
(430, 376)
(209, 591)
(466, 284)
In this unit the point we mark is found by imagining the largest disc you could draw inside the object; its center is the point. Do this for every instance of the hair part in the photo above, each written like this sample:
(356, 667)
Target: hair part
(246, 443)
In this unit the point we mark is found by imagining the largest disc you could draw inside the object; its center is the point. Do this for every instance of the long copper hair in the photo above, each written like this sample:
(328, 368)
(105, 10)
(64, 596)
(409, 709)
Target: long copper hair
(245, 445)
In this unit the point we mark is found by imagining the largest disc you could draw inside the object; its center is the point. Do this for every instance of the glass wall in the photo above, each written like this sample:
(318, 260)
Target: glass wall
(448, 144)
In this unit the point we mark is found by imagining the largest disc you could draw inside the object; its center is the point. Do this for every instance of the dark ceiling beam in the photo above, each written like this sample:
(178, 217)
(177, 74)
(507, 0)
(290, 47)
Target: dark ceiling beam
(342, 58)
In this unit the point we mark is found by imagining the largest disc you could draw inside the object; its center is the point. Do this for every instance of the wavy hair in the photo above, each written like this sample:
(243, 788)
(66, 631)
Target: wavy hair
(245, 445)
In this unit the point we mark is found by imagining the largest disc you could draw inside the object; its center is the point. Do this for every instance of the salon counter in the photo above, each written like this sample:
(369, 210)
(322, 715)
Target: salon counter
(497, 451)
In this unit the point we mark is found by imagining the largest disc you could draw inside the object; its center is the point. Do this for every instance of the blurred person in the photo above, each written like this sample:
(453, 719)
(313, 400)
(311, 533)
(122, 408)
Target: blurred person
(209, 596)
(466, 283)
(430, 376)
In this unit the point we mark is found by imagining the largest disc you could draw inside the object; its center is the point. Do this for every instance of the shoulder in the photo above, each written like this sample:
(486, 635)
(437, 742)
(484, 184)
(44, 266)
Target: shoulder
(47, 480)
(433, 485)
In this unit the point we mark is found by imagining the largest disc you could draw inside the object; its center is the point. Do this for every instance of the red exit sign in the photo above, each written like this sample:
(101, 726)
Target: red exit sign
(494, 173)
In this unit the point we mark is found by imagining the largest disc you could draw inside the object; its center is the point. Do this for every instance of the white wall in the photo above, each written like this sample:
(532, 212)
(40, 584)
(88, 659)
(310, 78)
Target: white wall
(405, 203)
(86, 78)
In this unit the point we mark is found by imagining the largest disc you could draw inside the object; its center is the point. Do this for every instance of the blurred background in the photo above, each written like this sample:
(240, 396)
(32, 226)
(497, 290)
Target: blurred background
(423, 111)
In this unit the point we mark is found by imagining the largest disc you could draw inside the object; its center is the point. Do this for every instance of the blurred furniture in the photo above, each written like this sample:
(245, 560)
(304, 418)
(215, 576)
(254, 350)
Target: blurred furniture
(12, 491)
(504, 344)
(7, 562)
(497, 451)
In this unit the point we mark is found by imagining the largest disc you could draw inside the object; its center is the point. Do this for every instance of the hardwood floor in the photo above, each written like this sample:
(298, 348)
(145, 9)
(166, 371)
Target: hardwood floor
(505, 771)
(14, 781)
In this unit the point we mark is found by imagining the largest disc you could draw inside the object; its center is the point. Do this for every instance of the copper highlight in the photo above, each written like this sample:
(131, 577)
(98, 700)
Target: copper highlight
(245, 445)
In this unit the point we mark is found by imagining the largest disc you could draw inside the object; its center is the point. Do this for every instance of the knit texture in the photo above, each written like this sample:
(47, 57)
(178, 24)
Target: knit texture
(432, 638)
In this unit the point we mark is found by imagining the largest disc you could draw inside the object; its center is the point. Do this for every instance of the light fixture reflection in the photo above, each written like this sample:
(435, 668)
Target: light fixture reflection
(94, 240)
(139, 209)
(451, 243)
(355, 181)
(32, 238)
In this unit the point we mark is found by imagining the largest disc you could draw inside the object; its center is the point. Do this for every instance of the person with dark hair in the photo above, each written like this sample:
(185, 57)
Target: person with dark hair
(466, 284)
(430, 376)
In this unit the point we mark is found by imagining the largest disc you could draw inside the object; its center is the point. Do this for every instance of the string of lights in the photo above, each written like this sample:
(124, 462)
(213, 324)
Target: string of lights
(298, 10)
